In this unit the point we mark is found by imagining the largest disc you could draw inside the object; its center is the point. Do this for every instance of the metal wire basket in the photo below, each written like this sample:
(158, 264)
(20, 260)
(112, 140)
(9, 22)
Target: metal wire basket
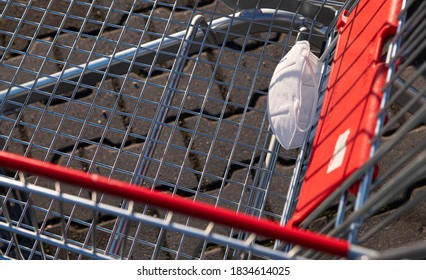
(139, 130)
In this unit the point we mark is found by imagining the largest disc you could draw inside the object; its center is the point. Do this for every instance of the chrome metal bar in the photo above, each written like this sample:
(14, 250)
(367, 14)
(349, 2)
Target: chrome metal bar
(409, 93)
(415, 201)
(416, 169)
(413, 251)
(122, 213)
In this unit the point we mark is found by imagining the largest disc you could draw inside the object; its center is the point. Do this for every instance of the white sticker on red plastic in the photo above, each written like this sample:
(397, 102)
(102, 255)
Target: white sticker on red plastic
(339, 151)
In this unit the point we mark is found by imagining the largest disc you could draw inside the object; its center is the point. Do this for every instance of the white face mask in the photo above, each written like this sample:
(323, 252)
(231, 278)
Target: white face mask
(293, 95)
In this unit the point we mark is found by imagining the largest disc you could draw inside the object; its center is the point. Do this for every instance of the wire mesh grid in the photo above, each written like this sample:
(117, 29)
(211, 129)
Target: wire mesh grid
(207, 142)
(168, 95)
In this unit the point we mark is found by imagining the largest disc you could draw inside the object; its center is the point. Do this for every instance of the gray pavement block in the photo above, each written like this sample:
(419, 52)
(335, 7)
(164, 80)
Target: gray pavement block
(287, 157)
(171, 165)
(75, 50)
(129, 34)
(214, 253)
(142, 98)
(242, 193)
(132, 31)
(165, 167)
(186, 246)
(232, 193)
(11, 141)
(144, 239)
(276, 195)
(235, 194)
(189, 3)
(11, 23)
(82, 219)
(237, 144)
(176, 16)
(198, 92)
(219, 8)
(137, 105)
(410, 141)
(26, 68)
(143, 251)
(97, 14)
(144, 236)
(410, 227)
(76, 234)
(141, 245)
(48, 210)
(162, 21)
(246, 75)
(417, 84)
(80, 121)
(227, 197)
(72, 14)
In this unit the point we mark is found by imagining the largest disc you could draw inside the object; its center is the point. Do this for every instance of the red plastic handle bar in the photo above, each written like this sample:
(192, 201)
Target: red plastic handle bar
(201, 210)
(348, 118)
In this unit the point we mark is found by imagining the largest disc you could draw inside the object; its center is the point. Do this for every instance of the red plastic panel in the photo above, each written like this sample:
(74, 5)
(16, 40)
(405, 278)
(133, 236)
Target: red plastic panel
(347, 122)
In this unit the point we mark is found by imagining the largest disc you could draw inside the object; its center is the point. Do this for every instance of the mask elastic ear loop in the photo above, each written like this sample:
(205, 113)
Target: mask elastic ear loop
(313, 109)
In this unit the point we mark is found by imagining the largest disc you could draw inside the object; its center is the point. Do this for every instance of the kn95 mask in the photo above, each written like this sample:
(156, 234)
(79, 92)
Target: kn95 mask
(293, 95)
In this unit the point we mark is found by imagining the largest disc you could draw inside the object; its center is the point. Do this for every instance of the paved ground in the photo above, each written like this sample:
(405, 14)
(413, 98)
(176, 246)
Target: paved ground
(101, 126)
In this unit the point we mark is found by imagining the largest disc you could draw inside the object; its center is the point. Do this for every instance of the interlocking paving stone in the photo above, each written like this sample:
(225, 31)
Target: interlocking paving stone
(27, 68)
(75, 16)
(8, 129)
(122, 164)
(216, 153)
(410, 227)
(276, 196)
(235, 194)
(410, 141)
(106, 43)
(67, 126)
(245, 75)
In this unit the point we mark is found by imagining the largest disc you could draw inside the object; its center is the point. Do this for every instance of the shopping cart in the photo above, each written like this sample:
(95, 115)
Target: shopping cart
(139, 130)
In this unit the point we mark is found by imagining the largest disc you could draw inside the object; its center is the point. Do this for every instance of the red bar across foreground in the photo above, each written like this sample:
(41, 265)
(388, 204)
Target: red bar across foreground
(177, 204)
(348, 118)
